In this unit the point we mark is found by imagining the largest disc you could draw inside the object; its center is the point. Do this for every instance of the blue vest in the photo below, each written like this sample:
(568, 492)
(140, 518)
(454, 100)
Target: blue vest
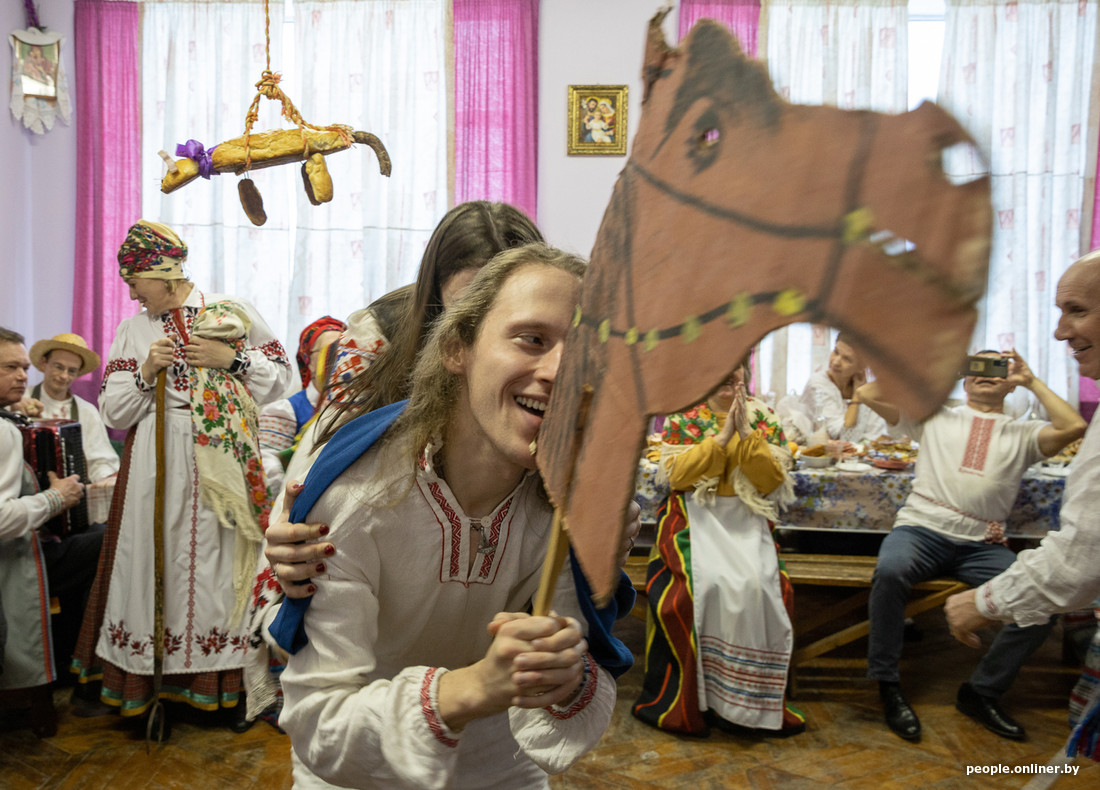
(303, 409)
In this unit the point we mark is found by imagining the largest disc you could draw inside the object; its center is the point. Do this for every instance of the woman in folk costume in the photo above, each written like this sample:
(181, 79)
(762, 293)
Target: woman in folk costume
(718, 641)
(220, 359)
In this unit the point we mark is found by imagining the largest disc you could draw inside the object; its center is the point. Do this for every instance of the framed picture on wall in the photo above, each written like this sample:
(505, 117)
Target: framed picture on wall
(36, 66)
(597, 120)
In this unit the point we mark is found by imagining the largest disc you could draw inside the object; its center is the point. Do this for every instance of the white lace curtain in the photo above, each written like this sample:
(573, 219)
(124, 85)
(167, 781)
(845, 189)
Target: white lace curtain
(850, 54)
(1019, 77)
(376, 65)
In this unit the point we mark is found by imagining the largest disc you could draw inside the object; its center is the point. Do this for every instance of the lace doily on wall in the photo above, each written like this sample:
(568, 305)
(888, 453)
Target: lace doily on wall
(39, 89)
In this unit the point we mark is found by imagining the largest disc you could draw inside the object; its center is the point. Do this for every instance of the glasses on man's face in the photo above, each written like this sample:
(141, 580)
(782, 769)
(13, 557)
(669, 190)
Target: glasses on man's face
(60, 369)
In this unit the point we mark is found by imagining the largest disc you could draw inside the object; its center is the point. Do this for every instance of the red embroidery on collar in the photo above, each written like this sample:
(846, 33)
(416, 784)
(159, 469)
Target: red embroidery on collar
(456, 527)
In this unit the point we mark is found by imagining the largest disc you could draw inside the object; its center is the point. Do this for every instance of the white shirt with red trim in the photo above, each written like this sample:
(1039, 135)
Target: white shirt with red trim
(969, 461)
(1063, 573)
(397, 609)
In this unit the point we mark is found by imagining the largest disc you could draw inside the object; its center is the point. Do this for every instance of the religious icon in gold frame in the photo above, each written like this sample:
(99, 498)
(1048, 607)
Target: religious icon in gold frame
(597, 120)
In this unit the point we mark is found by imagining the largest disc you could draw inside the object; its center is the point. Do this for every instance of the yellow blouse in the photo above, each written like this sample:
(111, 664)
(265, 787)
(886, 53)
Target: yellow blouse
(710, 459)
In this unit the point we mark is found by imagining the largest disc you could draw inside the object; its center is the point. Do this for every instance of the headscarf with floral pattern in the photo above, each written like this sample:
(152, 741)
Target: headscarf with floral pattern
(151, 251)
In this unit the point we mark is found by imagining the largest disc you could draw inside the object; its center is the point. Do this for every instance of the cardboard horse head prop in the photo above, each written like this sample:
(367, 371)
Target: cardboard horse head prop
(736, 214)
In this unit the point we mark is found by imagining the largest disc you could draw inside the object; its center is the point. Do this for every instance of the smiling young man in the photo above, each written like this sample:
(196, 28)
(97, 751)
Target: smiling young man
(63, 359)
(421, 666)
(968, 473)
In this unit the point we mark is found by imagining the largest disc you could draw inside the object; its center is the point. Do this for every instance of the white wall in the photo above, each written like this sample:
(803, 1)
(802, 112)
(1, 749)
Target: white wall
(586, 42)
(38, 203)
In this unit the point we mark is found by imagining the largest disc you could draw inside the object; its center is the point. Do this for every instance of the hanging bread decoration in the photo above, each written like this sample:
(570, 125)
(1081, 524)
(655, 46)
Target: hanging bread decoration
(251, 201)
(318, 182)
(308, 143)
(267, 149)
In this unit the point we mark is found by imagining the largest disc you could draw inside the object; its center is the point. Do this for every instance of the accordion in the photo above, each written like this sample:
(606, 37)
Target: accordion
(56, 446)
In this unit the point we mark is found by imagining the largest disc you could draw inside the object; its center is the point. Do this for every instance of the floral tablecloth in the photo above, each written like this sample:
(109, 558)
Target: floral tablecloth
(868, 501)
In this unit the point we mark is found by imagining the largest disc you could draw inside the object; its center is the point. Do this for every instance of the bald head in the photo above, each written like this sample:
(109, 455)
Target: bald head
(1078, 298)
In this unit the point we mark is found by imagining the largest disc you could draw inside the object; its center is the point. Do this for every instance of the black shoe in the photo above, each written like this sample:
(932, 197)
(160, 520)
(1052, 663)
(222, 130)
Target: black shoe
(238, 717)
(88, 692)
(88, 709)
(988, 713)
(899, 716)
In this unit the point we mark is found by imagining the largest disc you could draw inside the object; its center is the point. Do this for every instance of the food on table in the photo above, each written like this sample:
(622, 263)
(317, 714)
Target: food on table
(1068, 453)
(887, 448)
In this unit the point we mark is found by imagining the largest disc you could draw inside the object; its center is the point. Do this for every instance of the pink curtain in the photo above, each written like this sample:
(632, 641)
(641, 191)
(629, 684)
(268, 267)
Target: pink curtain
(740, 16)
(496, 101)
(108, 125)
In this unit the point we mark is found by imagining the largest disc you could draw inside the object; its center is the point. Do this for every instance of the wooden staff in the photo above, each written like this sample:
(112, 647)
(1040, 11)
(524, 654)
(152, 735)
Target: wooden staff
(559, 531)
(156, 712)
(551, 566)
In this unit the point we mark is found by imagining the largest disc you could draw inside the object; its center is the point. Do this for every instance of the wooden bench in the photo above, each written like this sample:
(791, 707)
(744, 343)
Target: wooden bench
(826, 570)
(832, 570)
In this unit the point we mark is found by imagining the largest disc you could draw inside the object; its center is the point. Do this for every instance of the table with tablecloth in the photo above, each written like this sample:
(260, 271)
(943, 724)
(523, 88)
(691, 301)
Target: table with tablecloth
(867, 501)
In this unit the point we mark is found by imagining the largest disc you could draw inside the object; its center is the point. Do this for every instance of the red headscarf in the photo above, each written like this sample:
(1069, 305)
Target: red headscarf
(308, 339)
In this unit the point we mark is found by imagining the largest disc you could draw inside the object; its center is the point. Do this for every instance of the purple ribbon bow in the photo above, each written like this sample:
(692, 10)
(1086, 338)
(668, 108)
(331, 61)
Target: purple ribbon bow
(192, 149)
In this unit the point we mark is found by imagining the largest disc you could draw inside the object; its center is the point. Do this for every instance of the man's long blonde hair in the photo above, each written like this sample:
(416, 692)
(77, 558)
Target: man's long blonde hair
(435, 389)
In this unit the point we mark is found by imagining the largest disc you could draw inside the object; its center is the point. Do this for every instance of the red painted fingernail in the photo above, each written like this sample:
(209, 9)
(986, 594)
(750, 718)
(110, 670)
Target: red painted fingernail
(330, 550)
(320, 567)
(312, 589)
(323, 530)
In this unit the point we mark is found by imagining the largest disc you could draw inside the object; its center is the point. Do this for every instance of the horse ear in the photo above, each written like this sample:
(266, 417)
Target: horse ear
(656, 51)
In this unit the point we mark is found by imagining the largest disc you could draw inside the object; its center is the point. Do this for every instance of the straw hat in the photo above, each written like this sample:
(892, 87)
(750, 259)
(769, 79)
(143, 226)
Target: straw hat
(66, 341)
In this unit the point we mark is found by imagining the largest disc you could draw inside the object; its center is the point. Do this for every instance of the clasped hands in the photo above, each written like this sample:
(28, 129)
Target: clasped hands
(201, 352)
(533, 662)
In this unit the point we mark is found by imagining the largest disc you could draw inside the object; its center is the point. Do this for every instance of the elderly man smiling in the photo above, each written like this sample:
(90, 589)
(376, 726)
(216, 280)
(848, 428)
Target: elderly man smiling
(1063, 573)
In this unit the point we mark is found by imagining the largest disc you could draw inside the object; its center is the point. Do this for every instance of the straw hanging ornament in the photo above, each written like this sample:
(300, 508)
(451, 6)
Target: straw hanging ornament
(308, 144)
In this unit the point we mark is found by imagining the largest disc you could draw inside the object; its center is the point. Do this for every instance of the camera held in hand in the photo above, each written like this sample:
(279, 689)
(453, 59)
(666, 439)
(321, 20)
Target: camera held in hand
(995, 367)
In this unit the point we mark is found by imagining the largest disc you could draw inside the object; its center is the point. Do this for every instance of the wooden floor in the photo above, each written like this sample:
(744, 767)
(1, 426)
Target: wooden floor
(846, 744)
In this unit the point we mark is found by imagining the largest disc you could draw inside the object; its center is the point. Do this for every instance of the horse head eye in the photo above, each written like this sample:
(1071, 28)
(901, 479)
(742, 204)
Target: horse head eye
(706, 139)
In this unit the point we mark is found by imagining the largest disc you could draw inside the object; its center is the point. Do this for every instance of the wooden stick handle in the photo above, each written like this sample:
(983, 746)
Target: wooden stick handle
(556, 553)
(159, 487)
